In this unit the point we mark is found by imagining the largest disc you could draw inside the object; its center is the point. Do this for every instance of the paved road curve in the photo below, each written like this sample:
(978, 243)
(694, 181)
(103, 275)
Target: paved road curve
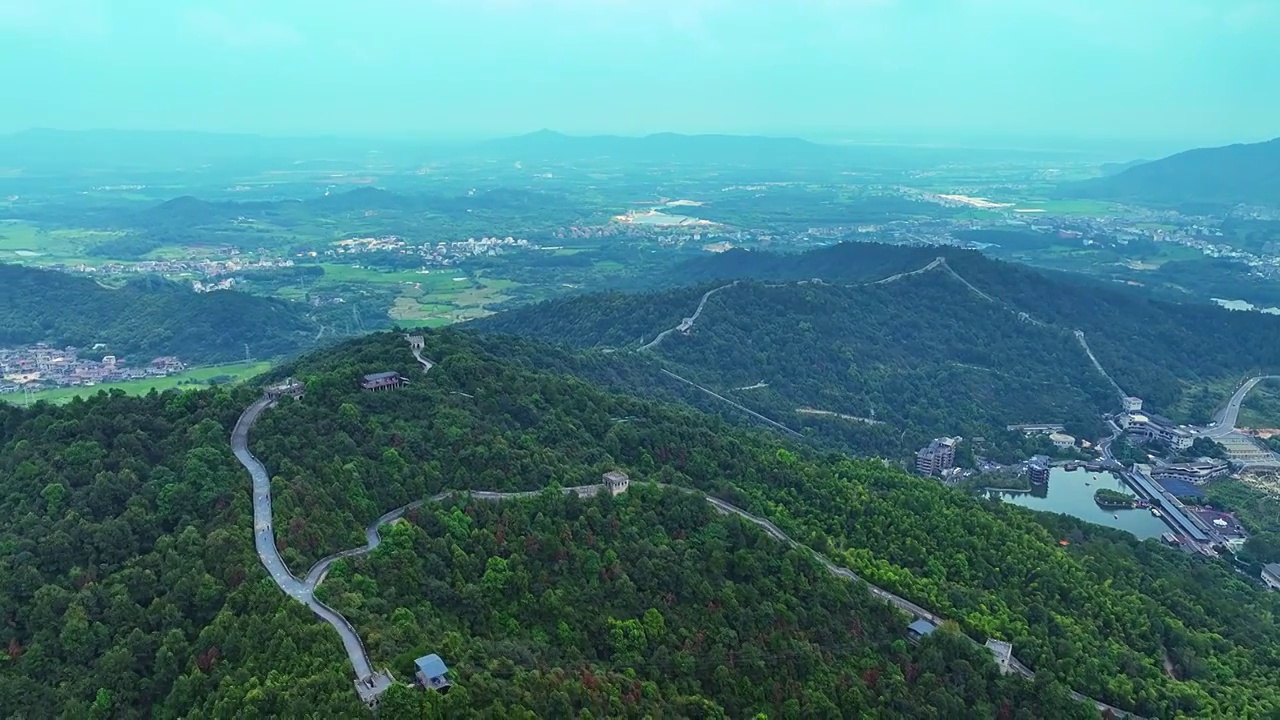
(686, 324)
(264, 539)
(304, 590)
(894, 278)
(1226, 418)
(371, 684)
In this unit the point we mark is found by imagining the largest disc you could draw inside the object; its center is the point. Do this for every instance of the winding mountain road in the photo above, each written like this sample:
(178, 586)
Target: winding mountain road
(367, 681)
(1226, 418)
(686, 324)
(417, 355)
(893, 278)
(370, 684)
(939, 262)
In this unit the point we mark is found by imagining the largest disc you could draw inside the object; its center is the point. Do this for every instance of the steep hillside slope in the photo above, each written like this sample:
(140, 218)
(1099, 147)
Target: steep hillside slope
(1167, 353)
(950, 321)
(146, 318)
(483, 419)
(679, 622)
(915, 358)
(129, 586)
(847, 263)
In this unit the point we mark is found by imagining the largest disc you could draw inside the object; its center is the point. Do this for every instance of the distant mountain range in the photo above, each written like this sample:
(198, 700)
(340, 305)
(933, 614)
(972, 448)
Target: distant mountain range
(53, 152)
(746, 151)
(666, 148)
(1222, 176)
(194, 211)
(42, 151)
(1115, 168)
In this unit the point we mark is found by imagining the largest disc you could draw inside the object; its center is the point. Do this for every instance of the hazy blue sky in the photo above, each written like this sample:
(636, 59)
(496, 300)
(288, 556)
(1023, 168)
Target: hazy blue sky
(1195, 70)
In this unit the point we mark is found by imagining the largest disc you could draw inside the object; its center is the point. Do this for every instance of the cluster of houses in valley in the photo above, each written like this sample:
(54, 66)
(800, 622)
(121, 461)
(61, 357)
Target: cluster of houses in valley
(42, 367)
(206, 267)
(440, 254)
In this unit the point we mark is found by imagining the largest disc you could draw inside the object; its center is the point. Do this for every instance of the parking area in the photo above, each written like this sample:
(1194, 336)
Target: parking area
(1223, 522)
(1244, 449)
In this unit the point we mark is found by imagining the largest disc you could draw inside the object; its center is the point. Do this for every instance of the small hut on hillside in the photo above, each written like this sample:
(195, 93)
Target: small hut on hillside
(919, 629)
(431, 673)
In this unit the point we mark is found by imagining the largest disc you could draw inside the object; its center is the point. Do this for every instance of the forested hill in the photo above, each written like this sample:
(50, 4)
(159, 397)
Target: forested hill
(1222, 176)
(846, 263)
(146, 318)
(129, 585)
(914, 359)
(1164, 352)
(959, 325)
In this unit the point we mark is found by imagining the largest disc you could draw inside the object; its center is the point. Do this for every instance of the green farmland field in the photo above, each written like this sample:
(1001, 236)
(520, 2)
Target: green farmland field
(195, 377)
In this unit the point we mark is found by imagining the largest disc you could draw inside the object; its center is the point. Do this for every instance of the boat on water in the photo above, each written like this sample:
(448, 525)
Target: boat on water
(1156, 512)
(1116, 517)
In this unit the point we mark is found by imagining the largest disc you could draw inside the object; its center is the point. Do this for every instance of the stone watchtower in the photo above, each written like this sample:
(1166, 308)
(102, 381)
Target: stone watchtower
(416, 342)
(616, 482)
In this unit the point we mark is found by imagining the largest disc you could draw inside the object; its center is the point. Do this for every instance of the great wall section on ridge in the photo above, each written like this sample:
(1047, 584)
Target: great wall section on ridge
(371, 683)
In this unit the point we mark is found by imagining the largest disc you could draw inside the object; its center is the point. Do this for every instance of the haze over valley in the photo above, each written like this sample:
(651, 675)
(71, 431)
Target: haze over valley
(557, 358)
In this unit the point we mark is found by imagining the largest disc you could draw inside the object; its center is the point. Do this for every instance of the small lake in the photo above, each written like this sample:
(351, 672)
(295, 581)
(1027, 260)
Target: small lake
(659, 218)
(1067, 493)
(1242, 305)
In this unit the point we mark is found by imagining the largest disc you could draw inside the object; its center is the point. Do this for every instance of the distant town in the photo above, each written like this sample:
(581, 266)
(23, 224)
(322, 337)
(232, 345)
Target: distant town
(41, 367)
(441, 254)
(209, 268)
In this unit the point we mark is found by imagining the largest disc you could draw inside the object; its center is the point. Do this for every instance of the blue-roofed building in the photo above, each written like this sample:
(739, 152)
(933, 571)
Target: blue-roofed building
(919, 629)
(431, 673)
(1180, 488)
